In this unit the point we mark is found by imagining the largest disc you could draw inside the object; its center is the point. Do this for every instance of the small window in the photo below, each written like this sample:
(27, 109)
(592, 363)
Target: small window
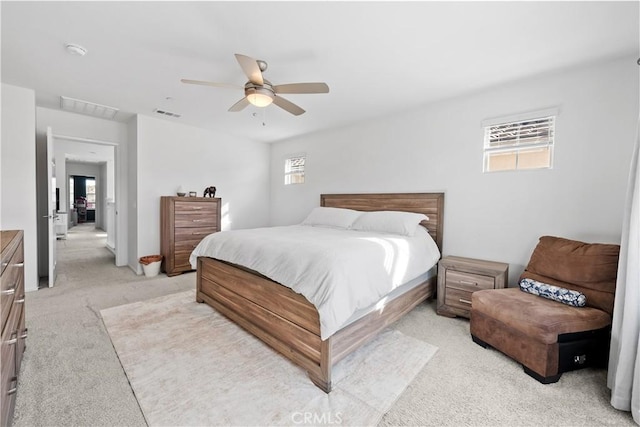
(90, 185)
(294, 170)
(72, 199)
(519, 145)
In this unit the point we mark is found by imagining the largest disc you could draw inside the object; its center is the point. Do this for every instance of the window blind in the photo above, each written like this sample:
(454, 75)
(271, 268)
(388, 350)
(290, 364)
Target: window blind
(523, 134)
(294, 170)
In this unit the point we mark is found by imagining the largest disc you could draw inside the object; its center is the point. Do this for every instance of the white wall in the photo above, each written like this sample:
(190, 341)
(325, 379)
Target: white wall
(131, 172)
(170, 155)
(495, 216)
(18, 173)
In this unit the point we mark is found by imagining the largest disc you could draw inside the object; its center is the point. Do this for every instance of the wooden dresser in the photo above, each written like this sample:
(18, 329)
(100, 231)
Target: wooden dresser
(459, 277)
(184, 221)
(14, 332)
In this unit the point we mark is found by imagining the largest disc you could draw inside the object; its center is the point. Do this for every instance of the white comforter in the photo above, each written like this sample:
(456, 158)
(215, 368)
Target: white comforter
(339, 271)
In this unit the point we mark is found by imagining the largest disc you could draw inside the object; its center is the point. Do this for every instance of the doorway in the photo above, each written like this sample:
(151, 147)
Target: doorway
(84, 168)
(82, 199)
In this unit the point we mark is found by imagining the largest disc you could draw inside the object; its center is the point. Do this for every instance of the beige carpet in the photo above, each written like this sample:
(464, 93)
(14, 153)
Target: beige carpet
(188, 365)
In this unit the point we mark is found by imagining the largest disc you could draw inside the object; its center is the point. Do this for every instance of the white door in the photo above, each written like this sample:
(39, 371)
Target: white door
(51, 208)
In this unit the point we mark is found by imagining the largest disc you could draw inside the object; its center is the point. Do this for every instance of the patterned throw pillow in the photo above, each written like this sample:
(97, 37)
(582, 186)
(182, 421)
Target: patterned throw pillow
(555, 293)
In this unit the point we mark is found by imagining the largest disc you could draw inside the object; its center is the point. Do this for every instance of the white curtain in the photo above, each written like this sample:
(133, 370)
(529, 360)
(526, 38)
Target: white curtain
(624, 359)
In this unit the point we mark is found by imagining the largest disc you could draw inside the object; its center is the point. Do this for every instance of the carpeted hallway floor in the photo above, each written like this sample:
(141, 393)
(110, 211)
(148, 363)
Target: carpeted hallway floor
(71, 375)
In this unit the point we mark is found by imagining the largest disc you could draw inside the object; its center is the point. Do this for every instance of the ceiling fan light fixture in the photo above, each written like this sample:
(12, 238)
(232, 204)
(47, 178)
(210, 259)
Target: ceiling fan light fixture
(259, 91)
(260, 98)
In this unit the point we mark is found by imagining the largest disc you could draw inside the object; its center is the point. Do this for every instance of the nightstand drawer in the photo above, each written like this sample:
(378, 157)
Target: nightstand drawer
(458, 299)
(468, 281)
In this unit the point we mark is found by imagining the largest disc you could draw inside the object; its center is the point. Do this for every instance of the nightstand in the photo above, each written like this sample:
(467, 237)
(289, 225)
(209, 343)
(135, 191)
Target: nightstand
(459, 277)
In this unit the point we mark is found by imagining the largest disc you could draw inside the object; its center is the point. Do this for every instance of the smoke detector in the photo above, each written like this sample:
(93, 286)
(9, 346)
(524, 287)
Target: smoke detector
(75, 49)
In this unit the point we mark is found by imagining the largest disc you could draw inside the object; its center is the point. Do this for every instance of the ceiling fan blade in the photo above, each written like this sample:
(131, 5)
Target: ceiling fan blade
(204, 83)
(287, 105)
(251, 69)
(240, 105)
(302, 88)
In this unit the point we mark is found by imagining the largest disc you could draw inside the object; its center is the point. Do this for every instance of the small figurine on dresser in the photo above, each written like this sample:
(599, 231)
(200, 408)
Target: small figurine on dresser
(209, 192)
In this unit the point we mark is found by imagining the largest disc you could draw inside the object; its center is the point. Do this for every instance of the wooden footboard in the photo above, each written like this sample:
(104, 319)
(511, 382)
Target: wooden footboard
(280, 317)
(287, 321)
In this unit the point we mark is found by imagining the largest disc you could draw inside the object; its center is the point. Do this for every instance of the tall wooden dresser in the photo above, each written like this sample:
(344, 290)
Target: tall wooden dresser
(14, 332)
(184, 222)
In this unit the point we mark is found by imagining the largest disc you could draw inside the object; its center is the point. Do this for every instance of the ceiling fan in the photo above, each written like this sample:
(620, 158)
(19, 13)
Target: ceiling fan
(261, 92)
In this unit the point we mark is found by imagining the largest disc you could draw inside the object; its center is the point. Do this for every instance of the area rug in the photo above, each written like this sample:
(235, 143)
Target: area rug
(190, 366)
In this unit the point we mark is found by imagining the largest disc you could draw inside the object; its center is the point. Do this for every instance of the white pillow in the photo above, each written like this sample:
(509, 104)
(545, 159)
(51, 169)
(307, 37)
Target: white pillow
(396, 222)
(331, 217)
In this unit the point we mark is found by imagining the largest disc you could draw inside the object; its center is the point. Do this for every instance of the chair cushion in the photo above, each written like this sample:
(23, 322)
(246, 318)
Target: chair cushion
(536, 317)
(590, 268)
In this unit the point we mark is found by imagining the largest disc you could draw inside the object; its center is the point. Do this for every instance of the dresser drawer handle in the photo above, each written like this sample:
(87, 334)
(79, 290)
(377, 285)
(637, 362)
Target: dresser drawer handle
(465, 301)
(12, 341)
(197, 220)
(196, 208)
(9, 291)
(19, 301)
(19, 264)
(200, 233)
(15, 387)
(24, 334)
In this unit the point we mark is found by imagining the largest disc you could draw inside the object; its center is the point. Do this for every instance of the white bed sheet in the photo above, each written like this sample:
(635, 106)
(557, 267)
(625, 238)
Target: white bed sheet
(339, 271)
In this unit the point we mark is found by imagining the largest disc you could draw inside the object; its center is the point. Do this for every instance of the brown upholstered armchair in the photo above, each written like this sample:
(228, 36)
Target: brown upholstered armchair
(548, 337)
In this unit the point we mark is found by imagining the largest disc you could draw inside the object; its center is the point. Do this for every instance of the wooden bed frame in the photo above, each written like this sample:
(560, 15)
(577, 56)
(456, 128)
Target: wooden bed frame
(286, 321)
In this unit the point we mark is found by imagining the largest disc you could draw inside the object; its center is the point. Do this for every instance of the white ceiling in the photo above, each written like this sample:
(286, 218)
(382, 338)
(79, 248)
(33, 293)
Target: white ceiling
(378, 58)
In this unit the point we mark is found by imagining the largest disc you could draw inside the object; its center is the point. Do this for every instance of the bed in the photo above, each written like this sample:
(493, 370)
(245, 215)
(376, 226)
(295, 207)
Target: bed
(288, 322)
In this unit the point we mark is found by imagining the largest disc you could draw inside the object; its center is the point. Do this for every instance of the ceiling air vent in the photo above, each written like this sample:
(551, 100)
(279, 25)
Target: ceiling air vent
(89, 108)
(166, 113)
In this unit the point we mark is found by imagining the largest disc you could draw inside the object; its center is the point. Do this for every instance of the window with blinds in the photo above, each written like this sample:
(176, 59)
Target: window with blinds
(294, 169)
(518, 145)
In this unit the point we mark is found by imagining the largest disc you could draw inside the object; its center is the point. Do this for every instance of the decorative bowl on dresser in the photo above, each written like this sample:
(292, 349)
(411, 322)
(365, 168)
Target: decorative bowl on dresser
(184, 221)
(459, 277)
(14, 332)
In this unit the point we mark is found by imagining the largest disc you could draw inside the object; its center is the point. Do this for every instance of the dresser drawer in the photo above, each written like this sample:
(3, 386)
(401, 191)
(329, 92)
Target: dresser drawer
(468, 281)
(11, 280)
(195, 219)
(192, 234)
(195, 207)
(457, 298)
(21, 335)
(186, 247)
(8, 345)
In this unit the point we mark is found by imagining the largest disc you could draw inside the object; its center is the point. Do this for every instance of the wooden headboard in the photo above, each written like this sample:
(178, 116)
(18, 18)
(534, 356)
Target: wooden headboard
(430, 204)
